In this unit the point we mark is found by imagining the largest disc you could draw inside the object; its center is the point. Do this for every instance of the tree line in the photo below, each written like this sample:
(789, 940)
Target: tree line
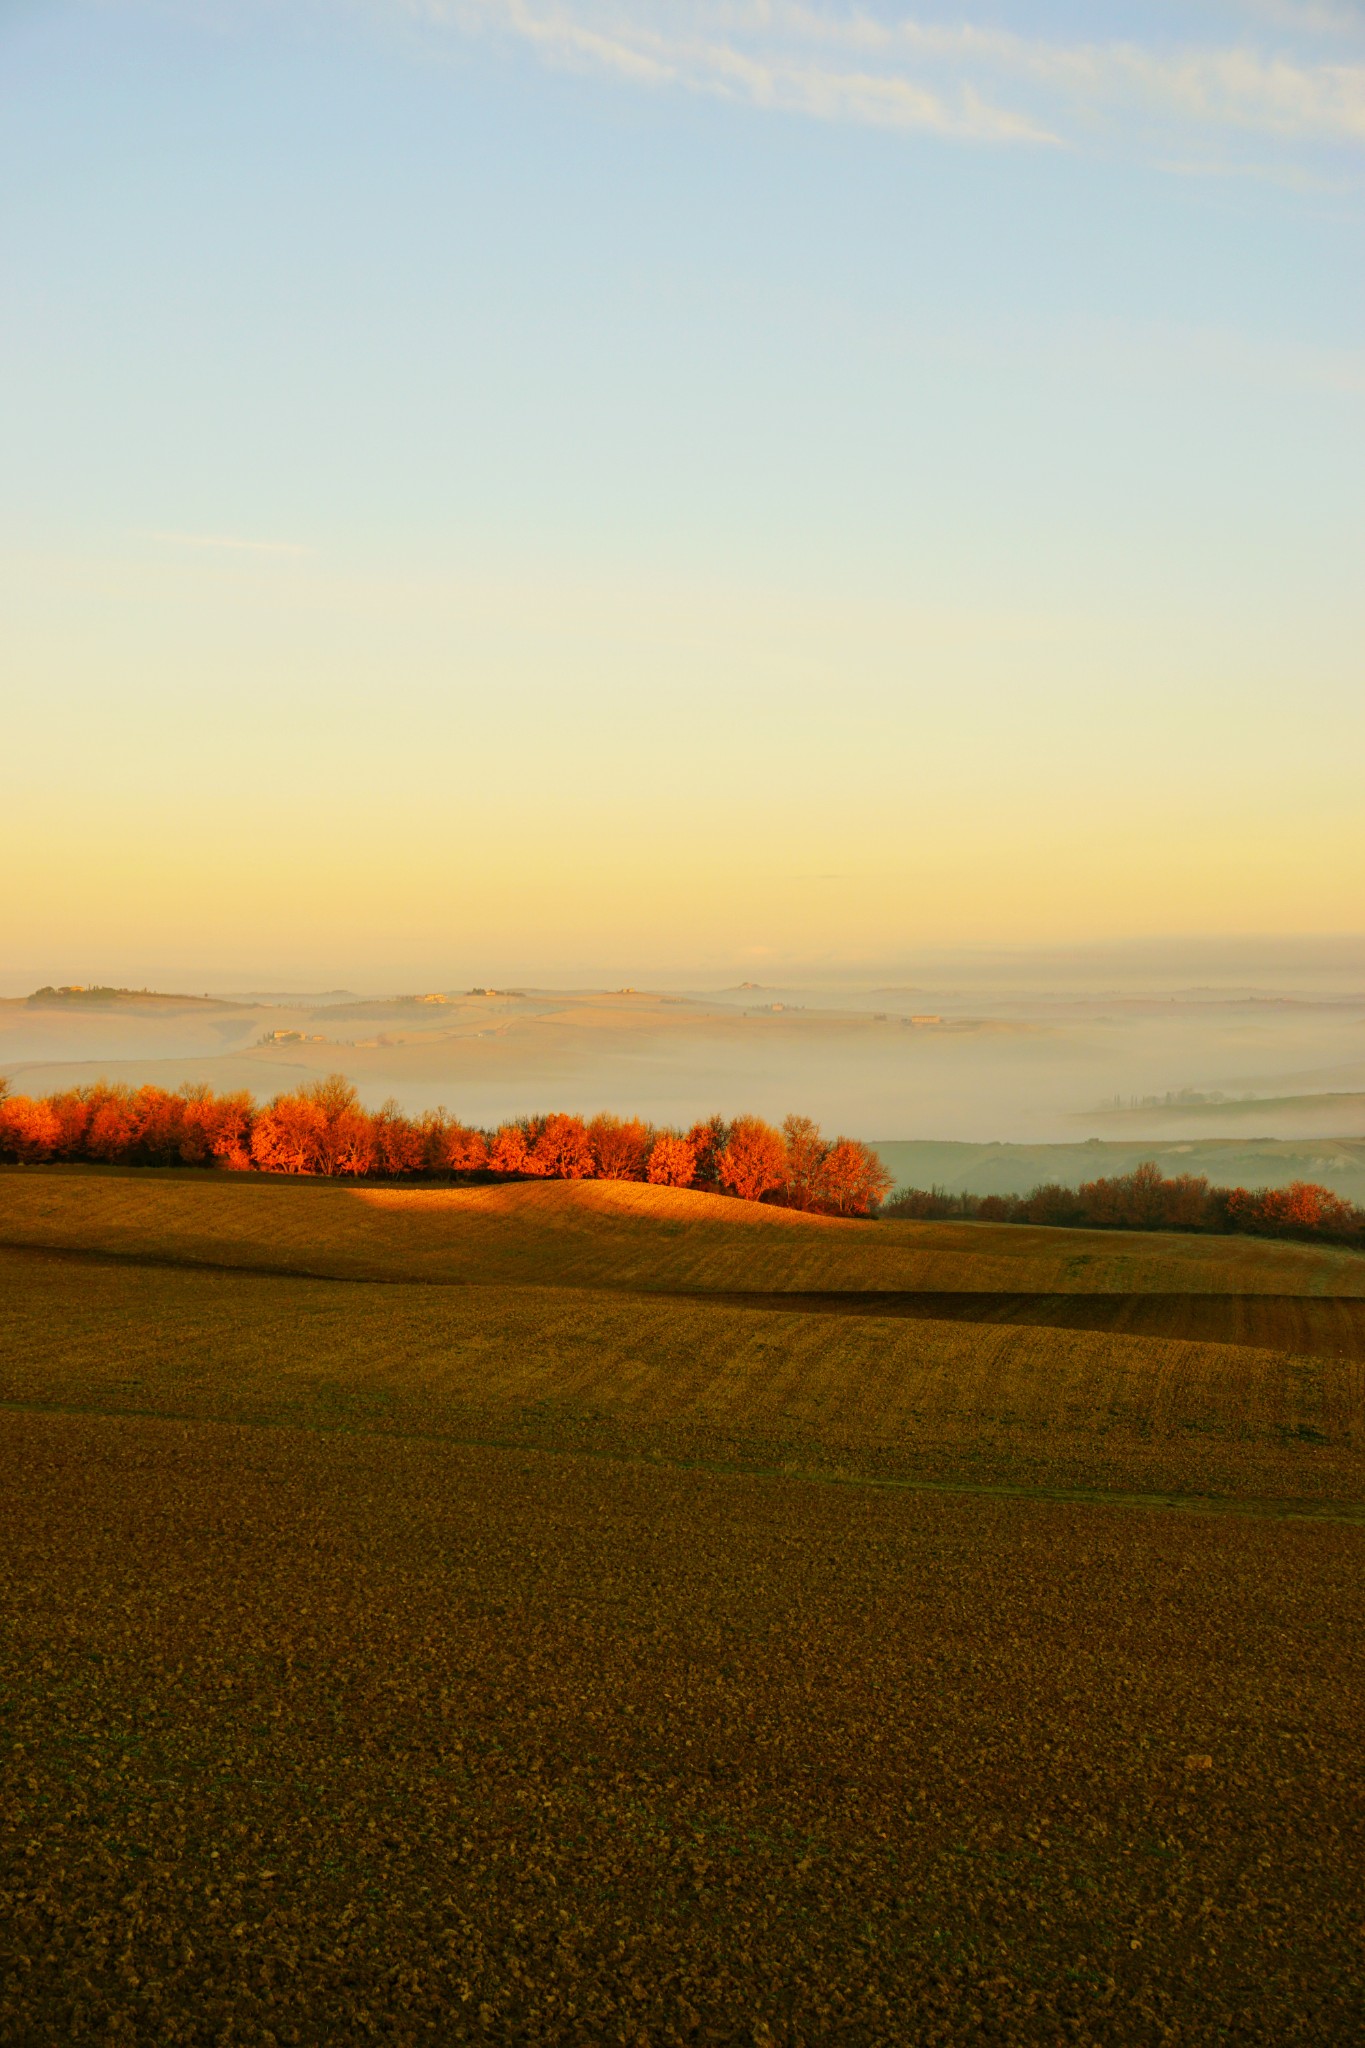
(325, 1130)
(1146, 1200)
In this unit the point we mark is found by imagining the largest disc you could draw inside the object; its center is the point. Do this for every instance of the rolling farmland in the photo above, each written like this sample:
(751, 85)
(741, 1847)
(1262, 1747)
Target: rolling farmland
(615, 1234)
(607, 1613)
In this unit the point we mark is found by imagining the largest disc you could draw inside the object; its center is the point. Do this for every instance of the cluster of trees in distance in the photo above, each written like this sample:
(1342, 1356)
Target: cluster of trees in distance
(1146, 1200)
(324, 1129)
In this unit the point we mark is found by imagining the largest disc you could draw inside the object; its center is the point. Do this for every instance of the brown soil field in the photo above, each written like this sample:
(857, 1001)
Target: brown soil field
(903, 1400)
(646, 1633)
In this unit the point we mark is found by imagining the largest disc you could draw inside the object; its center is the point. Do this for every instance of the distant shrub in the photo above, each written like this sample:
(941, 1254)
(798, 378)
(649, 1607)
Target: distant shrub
(1146, 1200)
(1053, 1204)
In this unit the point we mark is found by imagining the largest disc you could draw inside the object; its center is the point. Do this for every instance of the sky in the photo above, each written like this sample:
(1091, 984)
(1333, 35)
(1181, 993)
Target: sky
(497, 486)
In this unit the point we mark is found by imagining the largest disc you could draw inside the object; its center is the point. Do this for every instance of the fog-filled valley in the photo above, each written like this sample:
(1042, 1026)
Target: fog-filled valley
(986, 1080)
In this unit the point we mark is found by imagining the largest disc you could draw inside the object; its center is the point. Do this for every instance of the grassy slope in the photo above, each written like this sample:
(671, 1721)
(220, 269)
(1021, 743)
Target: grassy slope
(595, 1233)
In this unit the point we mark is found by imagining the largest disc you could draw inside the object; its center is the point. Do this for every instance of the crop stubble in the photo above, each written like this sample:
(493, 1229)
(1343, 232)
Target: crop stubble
(571, 1369)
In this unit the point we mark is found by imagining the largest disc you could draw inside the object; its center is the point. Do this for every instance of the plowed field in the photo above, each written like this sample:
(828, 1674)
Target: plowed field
(619, 1620)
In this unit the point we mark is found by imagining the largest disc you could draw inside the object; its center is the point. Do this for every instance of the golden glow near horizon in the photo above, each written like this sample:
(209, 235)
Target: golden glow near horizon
(500, 537)
(557, 771)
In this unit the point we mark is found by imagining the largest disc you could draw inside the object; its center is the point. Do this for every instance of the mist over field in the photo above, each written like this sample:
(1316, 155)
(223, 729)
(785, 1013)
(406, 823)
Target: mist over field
(1019, 1051)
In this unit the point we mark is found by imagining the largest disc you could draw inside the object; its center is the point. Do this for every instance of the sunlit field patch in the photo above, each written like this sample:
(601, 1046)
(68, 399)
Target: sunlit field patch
(618, 1233)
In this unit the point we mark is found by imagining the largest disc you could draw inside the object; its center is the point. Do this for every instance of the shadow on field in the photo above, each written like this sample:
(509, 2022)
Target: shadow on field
(1329, 1325)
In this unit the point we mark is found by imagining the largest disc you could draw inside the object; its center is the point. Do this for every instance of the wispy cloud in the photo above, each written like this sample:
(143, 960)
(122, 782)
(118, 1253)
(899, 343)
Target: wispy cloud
(974, 81)
(231, 543)
(778, 59)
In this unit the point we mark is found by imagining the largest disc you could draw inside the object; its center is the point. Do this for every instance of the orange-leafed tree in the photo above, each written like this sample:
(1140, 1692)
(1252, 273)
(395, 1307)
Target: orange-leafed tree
(1303, 1209)
(29, 1129)
(1145, 1200)
(398, 1144)
(434, 1125)
(620, 1147)
(807, 1152)
(198, 1107)
(449, 1146)
(115, 1126)
(321, 1129)
(559, 1148)
(353, 1147)
(708, 1140)
(226, 1121)
(508, 1151)
(754, 1161)
(463, 1149)
(72, 1111)
(853, 1181)
(342, 1139)
(672, 1162)
(291, 1136)
(162, 1130)
(215, 1129)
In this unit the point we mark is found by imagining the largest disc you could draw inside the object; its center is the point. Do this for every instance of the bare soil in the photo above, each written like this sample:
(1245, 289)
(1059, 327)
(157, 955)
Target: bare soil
(523, 1661)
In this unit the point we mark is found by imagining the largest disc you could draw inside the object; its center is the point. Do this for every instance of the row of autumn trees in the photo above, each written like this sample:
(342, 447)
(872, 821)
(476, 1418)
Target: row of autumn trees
(1146, 1200)
(324, 1129)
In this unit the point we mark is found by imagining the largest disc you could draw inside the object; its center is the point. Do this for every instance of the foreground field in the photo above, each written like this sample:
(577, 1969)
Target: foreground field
(579, 1646)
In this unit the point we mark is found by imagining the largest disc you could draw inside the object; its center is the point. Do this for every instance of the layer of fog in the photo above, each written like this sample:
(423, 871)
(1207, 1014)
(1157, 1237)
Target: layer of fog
(947, 1061)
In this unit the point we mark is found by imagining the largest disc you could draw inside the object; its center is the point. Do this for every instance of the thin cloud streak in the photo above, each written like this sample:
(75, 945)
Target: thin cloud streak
(976, 83)
(772, 72)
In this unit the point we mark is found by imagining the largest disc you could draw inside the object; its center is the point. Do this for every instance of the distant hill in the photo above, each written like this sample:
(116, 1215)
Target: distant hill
(83, 997)
(1323, 1114)
(1337, 1163)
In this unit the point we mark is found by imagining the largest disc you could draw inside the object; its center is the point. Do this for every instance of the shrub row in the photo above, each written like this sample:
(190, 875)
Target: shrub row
(325, 1130)
(1145, 1200)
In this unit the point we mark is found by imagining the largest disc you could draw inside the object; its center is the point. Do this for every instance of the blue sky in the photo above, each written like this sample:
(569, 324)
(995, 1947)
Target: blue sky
(506, 482)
